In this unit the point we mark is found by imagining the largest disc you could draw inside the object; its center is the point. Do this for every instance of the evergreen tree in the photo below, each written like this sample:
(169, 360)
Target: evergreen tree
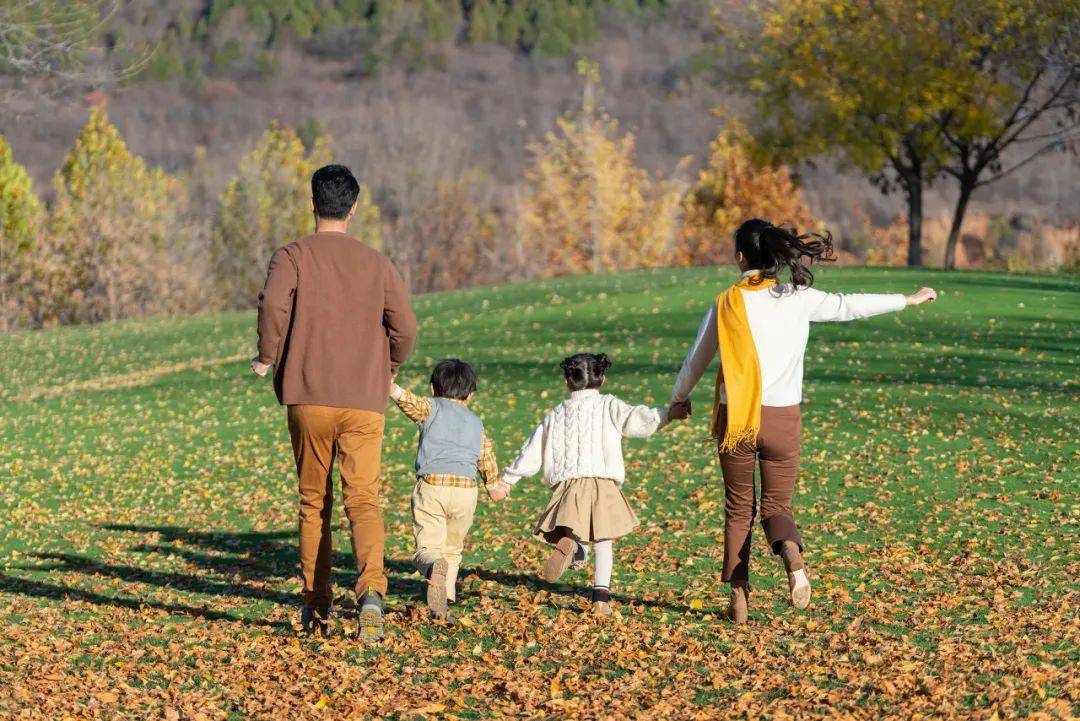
(108, 228)
(589, 207)
(20, 218)
(268, 205)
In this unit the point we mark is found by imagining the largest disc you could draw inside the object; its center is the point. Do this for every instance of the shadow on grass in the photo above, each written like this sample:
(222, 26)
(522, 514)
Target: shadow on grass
(238, 565)
(58, 592)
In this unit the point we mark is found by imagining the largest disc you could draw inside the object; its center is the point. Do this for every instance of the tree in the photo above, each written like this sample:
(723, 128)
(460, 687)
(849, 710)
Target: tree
(863, 80)
(20, 220)
(730, 189)
(267, 205)
(589, 207)
(111, 216)
(47, 38)
(484, 17)
(1020, 92)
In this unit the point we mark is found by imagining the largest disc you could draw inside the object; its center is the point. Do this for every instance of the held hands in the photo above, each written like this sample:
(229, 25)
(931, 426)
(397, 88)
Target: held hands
(498, 491)
(922, 295)
(679, 411)
(260, 369)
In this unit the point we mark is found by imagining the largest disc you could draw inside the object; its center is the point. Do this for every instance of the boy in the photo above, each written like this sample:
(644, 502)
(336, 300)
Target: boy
(451, 449)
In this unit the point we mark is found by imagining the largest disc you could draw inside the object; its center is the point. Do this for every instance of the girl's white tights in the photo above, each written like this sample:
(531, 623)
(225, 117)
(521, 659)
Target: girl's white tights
(603, 558)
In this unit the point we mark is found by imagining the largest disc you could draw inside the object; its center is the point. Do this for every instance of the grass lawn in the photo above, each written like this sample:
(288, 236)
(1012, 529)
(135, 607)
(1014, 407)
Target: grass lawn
(148, 565)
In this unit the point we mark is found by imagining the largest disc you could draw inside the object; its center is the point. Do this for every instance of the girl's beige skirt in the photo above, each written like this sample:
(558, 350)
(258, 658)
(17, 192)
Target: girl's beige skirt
(589, 509)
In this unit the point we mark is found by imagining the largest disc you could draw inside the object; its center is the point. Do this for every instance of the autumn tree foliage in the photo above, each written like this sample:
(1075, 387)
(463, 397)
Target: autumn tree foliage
(21, 215)
(1017, 65)
(729, 189)
(909, 90)
(110, 250)
(268, 205)
(589, 207)
(860, 81)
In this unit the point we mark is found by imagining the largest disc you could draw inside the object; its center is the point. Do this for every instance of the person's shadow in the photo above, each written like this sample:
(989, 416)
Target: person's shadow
(237, 565)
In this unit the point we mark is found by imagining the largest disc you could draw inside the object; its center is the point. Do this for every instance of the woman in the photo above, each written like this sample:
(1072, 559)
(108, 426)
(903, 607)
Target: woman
(759, 327)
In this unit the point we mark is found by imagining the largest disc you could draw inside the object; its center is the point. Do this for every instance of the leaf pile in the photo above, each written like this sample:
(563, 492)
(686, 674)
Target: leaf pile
(148, 564)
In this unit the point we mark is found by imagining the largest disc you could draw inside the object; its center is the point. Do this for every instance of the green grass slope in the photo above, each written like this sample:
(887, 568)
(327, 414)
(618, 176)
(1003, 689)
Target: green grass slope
(147, 559)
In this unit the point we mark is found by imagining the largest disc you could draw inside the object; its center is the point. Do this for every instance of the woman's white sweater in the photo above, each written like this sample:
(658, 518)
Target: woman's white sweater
(582, 438)
(779, 320)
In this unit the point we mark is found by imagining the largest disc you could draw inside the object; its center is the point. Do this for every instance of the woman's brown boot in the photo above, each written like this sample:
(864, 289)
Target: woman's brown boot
(798, 583)
(739, 609)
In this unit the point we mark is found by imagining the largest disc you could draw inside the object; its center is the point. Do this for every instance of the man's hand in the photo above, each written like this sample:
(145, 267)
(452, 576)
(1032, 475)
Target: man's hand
(498, 491)
(679, 411)
(922, 295)
(260, 369)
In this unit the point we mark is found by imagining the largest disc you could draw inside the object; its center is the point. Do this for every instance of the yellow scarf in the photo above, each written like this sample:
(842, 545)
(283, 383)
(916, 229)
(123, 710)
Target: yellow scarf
(740, 373)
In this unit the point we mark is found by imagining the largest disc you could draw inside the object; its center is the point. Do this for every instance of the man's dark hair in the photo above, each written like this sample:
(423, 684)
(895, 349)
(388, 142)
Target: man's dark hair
(334, 191)
(453, 378)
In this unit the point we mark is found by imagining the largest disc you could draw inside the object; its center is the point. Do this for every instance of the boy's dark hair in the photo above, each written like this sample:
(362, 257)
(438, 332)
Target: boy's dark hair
(453, 378)
(773, 249)
(334, 191)
(585, 370)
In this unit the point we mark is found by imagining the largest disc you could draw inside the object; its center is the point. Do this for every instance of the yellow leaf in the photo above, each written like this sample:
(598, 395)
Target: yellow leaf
(432, 708)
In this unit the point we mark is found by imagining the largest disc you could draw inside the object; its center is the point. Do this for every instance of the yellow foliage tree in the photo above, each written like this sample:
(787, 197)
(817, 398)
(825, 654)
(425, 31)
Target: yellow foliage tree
(20, 219)
(268, 205)
(732, 188)
(108, 257)
(588, 206)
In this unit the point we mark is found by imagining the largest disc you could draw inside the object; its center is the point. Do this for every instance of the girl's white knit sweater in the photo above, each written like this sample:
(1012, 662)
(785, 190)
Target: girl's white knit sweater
(582, 438)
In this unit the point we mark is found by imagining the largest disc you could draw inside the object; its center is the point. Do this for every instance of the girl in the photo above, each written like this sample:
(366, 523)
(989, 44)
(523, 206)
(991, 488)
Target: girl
(579, 447)
(759, 327)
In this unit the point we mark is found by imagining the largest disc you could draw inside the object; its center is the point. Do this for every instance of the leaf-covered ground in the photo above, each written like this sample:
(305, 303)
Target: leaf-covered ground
(147, 557)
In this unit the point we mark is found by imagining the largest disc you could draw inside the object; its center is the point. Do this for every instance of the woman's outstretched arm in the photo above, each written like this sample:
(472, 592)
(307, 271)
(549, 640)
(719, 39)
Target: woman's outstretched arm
(698, 358)
(824, 307)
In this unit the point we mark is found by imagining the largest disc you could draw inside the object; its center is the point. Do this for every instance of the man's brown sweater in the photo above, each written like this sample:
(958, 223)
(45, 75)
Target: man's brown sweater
(335, 321)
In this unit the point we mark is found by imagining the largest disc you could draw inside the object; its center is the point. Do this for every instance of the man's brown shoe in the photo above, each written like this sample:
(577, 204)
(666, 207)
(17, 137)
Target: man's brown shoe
(739, 609)
(560, 559)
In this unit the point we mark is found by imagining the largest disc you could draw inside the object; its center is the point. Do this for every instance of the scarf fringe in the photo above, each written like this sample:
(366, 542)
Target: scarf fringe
(731, 440)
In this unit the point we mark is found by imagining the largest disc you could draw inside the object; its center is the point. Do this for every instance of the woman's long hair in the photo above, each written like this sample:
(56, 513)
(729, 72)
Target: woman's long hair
(772, 249)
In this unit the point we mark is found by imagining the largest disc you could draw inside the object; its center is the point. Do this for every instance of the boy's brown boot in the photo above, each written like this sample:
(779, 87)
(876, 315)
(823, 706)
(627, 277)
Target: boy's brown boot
(560, 559)
(798, 583)
(739, 609)
(436, 590)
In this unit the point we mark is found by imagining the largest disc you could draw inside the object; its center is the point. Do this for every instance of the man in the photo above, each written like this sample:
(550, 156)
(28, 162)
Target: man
(335, 322)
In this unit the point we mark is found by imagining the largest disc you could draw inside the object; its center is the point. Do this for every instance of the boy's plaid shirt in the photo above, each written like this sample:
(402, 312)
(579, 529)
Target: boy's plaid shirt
(418, 410)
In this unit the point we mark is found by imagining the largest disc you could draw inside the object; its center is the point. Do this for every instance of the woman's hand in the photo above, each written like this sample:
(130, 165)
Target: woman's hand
(679, 411)
(922, 295)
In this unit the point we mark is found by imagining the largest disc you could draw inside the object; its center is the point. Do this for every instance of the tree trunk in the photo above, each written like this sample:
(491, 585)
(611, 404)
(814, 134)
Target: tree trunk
(967, 187)
(915, 218)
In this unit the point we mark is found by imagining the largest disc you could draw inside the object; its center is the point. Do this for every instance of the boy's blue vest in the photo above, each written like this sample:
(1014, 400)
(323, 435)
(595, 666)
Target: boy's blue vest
(450, 440)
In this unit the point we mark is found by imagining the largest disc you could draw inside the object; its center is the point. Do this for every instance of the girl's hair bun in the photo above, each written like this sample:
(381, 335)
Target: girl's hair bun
(585, 370)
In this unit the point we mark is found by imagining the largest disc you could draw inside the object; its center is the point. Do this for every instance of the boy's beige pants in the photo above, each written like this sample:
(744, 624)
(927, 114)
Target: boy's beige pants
(442, 516)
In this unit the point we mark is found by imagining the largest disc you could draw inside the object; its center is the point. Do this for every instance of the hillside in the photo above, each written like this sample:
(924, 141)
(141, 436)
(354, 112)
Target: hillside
(147, 565)
(408, 96)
